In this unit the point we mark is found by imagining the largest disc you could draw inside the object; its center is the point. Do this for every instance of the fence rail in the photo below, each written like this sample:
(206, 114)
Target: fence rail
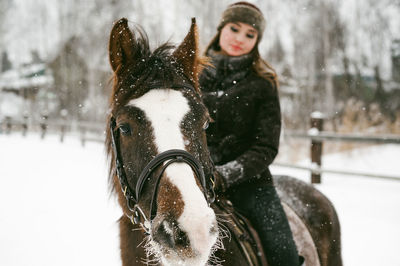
(320, 170)
(318, 137)
(331, 136)
(89, 131)
(85, 130)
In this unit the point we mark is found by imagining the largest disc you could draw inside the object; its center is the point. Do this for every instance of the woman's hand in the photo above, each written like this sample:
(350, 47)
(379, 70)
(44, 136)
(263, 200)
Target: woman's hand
(230, 172)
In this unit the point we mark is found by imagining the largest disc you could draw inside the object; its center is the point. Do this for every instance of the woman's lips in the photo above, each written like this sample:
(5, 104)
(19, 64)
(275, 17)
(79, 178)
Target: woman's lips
(236, 47)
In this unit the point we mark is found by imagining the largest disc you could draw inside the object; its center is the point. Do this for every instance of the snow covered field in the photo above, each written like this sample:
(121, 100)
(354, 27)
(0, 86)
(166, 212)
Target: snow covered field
(55, 208)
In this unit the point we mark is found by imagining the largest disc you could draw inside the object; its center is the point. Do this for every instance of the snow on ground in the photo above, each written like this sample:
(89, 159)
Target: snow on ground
(54, 204)
(55, 208)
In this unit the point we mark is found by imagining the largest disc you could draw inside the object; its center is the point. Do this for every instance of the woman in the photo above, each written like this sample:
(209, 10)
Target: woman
(240, 91)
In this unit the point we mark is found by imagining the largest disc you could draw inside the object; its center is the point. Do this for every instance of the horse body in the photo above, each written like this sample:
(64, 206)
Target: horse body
(160, 165)
(319, 217)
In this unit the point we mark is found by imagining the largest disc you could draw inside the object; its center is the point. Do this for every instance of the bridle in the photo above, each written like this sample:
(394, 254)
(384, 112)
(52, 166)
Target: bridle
(162, 160)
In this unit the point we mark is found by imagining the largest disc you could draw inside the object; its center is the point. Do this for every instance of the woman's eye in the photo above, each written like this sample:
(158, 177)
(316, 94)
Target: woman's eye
(250, 36)
(234, 29)
(125, 129)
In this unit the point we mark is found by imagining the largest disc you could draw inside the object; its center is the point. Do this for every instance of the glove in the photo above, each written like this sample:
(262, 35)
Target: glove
(230, 172)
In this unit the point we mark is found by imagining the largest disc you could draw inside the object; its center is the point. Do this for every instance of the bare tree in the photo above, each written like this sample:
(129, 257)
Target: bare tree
(4, 7)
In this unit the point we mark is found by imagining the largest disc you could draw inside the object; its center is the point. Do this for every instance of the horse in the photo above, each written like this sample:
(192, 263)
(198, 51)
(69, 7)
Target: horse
(164, 178)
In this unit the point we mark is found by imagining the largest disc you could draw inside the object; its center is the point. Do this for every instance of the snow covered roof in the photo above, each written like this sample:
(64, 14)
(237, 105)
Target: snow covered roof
(26, 76)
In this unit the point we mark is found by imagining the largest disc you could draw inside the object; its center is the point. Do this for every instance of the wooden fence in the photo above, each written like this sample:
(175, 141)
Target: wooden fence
(318, 137)
(89, 131)
(84, 130)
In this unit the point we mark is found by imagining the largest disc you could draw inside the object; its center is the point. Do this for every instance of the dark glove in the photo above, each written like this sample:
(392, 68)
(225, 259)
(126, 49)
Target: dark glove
(230, 172)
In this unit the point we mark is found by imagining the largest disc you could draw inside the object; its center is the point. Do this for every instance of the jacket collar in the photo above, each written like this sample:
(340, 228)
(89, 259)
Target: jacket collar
(230, 64)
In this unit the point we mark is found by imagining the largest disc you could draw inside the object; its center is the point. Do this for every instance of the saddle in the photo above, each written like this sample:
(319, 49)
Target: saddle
(243, 233)
(250, 244)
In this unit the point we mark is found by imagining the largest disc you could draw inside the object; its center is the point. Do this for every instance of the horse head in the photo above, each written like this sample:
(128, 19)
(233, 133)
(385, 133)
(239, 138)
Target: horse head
(160, 164)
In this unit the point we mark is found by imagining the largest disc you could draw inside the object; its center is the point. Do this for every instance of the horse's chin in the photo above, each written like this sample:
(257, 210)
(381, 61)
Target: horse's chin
(183, 257)
(173, 259)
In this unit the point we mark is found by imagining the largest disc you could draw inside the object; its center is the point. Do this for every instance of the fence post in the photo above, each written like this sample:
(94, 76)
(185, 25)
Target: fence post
(25, 124)
(8, 124)
(82, 130)
(317, 122)
(43, 125)
(64, 114)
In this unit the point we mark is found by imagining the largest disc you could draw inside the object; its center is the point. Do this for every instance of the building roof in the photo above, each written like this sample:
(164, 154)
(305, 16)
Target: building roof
(35, 75)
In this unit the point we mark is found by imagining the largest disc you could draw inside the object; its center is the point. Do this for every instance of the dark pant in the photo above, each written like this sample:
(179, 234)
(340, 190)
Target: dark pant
(262, 206)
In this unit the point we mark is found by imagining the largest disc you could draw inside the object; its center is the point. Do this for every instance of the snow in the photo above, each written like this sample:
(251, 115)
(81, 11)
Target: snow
(368, 208)
(313, 131)
(11, 105)
(56, 210)
(54, 204)
(20, 83)
(317, 115)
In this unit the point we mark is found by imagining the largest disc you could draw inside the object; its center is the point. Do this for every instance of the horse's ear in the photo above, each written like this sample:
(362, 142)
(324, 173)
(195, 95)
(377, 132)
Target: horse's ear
(187, 53)
(121, 44)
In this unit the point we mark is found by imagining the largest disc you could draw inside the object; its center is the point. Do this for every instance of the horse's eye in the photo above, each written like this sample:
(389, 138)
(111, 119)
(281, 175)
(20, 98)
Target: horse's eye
(206, 124)
(125, 129)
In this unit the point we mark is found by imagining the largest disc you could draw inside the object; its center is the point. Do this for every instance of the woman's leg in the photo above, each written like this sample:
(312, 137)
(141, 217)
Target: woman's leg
(262, 206)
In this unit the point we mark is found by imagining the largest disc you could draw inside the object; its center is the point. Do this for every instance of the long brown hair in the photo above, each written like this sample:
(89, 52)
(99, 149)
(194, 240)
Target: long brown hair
(260, 66)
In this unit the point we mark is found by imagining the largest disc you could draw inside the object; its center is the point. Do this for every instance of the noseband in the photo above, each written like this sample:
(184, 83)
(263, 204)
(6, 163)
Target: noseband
(166, 158)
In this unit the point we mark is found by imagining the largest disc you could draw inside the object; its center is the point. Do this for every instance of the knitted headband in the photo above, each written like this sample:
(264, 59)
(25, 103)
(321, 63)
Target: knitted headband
(246, 13)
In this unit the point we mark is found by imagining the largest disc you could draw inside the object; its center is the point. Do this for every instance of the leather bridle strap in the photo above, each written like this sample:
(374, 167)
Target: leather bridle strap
(126, 189)
(177, 156)
(167, 157)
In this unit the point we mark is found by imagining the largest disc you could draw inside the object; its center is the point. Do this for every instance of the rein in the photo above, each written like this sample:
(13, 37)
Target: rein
(166, 158)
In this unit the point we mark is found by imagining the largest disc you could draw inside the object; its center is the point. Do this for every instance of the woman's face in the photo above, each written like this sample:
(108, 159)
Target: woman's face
(237, 38)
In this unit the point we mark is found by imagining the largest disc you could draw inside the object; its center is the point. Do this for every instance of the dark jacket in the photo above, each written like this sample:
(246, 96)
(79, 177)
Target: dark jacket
(244, 138)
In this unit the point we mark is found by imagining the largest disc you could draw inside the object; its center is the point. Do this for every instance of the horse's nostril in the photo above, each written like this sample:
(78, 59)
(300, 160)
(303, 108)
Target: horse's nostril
(164, 235)
(169, 234)
(181, 238)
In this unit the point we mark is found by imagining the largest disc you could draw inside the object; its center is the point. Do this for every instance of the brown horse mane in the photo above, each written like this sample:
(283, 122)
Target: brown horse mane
(159, 65)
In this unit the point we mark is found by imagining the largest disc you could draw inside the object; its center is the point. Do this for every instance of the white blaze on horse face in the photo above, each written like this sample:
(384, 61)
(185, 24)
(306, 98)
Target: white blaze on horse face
(166, 109)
